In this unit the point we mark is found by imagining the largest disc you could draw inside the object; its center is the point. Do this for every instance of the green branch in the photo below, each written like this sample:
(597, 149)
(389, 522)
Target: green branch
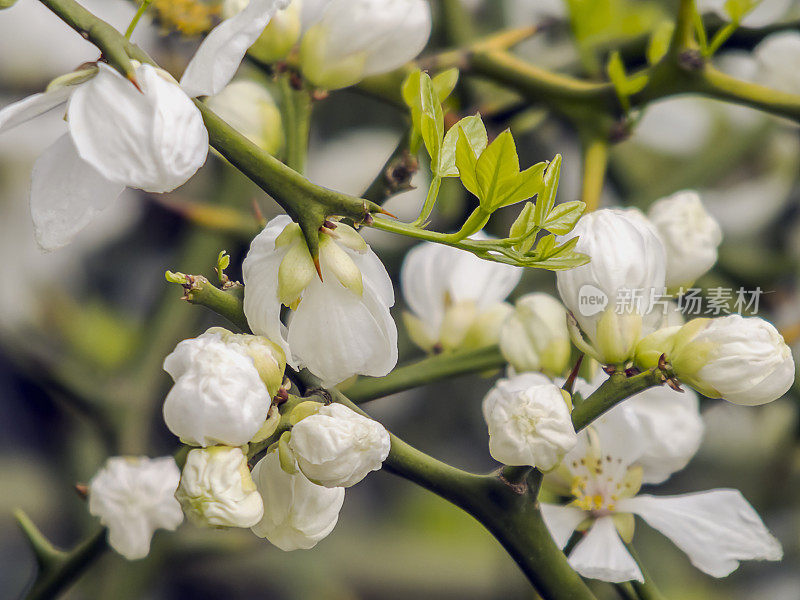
(427, 370)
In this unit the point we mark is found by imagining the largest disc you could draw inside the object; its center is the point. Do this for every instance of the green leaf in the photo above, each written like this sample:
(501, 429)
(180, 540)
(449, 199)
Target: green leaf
(738, 9)
(498, 163)
(431, 119)
(563, 217)
(562, 263)
(624, 86)
(473, 129)
(547, 198)
(524, 226)
(521, 187)
(444, 83)
(466, 163)
(659, 41)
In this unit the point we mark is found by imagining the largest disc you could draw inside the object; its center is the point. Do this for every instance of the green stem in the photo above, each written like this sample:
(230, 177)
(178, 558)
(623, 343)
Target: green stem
(646, 590)
(135, 21)
(617, 388)
(595, 165)
(296, 110)
(433, 368)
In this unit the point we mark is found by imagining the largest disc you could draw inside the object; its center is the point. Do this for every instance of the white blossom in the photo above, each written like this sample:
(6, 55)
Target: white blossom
(249, 108)
(612, 297)
(278, 37)
(455, 298)
(716, 529)
(348, 40)
(741, 359)
(535, 336)
(134, 496)
(690, 235)
(224, 385)
(217, 490)
(339, 326)
(297, 513)
(667, 422)
(530, 426)
(337, 447)
(777, 59)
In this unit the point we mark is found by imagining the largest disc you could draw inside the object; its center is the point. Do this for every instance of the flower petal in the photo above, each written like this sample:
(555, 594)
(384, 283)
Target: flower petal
(716, 529)
(66, 194)
(219, 56)
(336, 334)
(561, 521)
(154, 140)
(602, 555)
(32, 106)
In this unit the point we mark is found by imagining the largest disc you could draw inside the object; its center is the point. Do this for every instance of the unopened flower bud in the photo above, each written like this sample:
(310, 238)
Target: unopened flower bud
(743, 360)
(337, 447)
(349, 40)
(217, 490)
(278, 37)
(133, 497)
(250, 109)
(529, 426)
(611, 298)
(690, 235)
(224, 384)
(535, 336)
(297, 513)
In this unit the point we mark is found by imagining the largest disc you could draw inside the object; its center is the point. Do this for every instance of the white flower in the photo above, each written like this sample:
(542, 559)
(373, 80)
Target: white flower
(340, 326)
(133, 497)
(297, 513)
(455, 298)
(224, 385)
(337, 447)
(612, 297)
(151, 138)
(676, 126)
(743, 360)
(690, 235)
(249, 108)
(778, 58)
(279, 36)
(531, 426)
(217, 490)
(348, 40)
(763, 13)
(118, 136)
(668, 423)
(716, 529)
(535, 336)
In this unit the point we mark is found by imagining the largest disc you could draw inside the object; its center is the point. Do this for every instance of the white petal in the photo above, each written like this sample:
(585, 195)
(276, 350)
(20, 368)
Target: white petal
(716, 529)
(373, 274)
(219, 56)
(602, 555)
(336, 334)
(66, 194)
(561, 521)
(31, 107)
(154, 140)
(262, 306)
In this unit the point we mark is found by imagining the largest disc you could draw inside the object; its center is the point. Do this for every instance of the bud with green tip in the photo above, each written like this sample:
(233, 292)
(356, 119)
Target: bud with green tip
(278, 37)
(217, 490)
(535, 336)
(349, 40)
(249, 108)
(741, 359)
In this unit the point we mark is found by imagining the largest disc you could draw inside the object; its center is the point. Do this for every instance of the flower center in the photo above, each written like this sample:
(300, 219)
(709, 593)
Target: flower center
(599, 482)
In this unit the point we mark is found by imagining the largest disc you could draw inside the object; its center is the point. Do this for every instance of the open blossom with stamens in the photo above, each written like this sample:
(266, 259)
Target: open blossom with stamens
(147, 135)
(612, 297)
(134, 496)
(348, 40)
(716, 528)
(340, 325)
(456, 299)
(297, 513)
